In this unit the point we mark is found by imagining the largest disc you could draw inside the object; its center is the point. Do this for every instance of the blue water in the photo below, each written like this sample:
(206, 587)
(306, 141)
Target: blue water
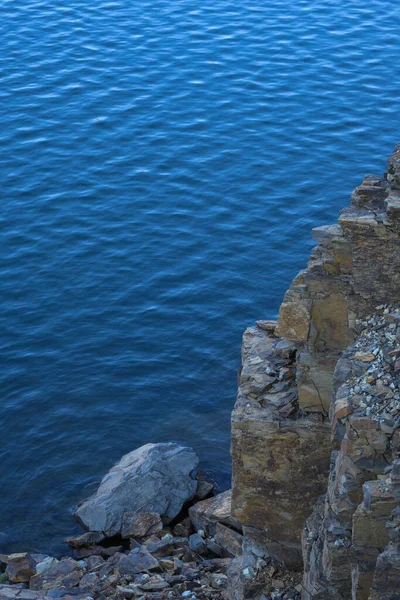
(162, 165)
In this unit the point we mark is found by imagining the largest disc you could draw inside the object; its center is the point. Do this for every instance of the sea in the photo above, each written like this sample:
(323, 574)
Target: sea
(162, 165)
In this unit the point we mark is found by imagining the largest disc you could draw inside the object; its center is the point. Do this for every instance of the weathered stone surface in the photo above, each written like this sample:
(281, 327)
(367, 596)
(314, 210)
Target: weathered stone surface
(12, 592)
(140, 524)
(20, 566)
(188, 571)
(314, 378)
(204, 490)
(86, 539)
(197, 544)
(206, 514)
(294, 320)
(386, 582)
(155, 478)
(342, 408)
(230, 540)
(137, 561)
(347, 367)
(271, 452)
(184, 528)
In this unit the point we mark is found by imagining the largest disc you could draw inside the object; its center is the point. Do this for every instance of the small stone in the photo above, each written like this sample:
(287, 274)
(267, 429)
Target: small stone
(183, 529)
(365, 356)
(154, 583)
(197, 544)
(20, 567)
(342, 408)
(46, 564)
(126, 592)
(278, 584)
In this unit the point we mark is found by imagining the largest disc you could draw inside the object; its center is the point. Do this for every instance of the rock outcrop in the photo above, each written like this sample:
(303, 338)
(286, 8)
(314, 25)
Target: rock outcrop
(316, 425)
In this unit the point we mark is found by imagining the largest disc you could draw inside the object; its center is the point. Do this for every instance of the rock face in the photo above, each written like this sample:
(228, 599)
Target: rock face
(272, 442)
(156, 478)
(318, 412)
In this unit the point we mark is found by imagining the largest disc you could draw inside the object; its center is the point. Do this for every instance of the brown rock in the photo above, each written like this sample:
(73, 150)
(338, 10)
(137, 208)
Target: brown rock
(342, 408)
(140, 524)
(20, 566)
(268, 325)
(229, 539)
(294, 320)
(183, 529)
(206, 514)
(86, 539)
(365, 356)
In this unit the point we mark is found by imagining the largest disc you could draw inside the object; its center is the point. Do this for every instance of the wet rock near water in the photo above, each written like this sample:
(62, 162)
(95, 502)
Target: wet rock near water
(189, 559)
(143, 544)
(156, 478)
(160, 566)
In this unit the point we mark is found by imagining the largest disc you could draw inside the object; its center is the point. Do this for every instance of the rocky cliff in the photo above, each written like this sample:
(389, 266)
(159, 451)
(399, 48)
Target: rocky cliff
(316, 425)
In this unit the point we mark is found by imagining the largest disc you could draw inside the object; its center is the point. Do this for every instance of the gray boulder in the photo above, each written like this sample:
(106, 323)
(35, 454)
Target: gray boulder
(156, 478)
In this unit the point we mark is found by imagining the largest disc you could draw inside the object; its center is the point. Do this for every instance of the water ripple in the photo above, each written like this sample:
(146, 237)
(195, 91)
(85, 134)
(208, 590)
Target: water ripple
(162, 165)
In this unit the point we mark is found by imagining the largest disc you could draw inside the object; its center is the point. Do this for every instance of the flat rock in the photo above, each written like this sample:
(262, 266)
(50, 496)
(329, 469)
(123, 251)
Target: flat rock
(86, 539)
(138, 560)
(228, 539)
(154, 478)
(207, 513)
(11, 592)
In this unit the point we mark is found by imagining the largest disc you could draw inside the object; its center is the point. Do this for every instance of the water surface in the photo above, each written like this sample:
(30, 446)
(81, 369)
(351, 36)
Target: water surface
(162, 165)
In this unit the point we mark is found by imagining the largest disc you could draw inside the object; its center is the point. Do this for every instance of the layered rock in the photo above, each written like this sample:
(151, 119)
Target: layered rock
(272, 442)
(331, 427)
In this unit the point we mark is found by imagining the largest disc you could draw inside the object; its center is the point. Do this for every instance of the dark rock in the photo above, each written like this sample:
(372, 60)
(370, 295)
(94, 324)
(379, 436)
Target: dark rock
(197, 544)
(83, 552)
(94, 563)
(204, 490)
(183, 529)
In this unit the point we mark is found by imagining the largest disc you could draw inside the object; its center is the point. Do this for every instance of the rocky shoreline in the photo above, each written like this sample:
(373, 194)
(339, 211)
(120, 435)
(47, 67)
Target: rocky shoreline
(154, 531)
(314, 510)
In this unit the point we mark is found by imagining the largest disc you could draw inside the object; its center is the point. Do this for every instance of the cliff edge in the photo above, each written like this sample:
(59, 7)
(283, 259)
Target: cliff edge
(316, 425)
